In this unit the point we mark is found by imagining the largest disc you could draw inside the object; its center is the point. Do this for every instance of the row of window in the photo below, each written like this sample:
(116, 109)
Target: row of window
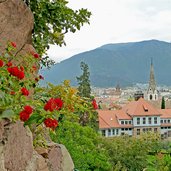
(126, 129)
(165, 121)
(126, 122)
(145, 121)
(110, 132)
(166, 127)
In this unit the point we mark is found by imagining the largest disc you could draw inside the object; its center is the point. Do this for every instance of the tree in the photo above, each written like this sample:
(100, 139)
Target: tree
(84, 145)
(52, 20)
(84, 81)
(163, 103)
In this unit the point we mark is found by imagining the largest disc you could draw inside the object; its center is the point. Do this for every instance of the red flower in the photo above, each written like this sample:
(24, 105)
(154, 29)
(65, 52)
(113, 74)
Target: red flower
(41, 77)
(1, 63)
(24, 116)
(13, 71)
(20, 75)
(28, 109)
(9, 64)
(51, 123)
(53, 104)
(16, 72)
(36, 55)
(13, 44)
(24, 91)
(95, 106)
(59, 103)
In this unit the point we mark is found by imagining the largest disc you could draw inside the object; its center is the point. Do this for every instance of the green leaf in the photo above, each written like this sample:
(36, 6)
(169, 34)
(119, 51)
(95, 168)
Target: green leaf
(34, 118)
(7, 114)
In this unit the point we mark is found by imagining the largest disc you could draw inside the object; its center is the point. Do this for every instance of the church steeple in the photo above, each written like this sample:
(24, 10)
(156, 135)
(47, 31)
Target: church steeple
(152, 91)
(152, 82)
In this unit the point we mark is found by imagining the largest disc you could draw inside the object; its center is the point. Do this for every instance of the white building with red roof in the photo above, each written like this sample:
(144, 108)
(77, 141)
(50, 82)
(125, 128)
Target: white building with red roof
(135, 118)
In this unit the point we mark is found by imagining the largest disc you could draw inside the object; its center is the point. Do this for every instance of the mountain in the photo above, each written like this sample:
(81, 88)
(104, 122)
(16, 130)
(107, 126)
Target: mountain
(123, 63)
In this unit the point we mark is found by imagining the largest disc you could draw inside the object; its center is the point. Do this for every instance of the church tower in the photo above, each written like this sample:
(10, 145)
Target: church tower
(152, 93)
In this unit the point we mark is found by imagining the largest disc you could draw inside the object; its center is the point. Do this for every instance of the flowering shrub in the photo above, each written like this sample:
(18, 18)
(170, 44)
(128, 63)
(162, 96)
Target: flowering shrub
(21, 98)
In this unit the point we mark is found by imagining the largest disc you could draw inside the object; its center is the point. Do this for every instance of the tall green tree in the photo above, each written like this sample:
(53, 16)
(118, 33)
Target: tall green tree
(163, 103)
(52, 20)
(84, 81)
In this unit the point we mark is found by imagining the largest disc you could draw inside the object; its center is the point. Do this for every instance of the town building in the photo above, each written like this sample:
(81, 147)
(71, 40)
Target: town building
(135, 118)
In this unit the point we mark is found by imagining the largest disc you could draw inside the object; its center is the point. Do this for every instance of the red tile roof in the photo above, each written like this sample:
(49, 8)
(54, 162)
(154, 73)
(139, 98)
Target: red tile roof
(140, 108)
(121, 115)
(166, 113)
(107, 119)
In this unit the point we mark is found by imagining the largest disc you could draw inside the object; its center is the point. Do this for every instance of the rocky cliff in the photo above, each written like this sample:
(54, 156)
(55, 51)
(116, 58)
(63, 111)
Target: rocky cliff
(16, 143)
(18, 154)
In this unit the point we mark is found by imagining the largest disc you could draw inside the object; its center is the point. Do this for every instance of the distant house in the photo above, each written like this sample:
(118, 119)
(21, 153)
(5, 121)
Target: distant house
(135, 118)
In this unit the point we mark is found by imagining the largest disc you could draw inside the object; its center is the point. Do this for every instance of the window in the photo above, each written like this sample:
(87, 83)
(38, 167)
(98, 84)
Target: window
(165, 121)
(151, 97)
(138, 121)
(161, 121)
(130, 129)
(155, 120)
(168, 121)
(126, 129)
(149, 120)
(122, 122)
(129, 122)
(113, 132)
(155, 130)
(126, 122)
(117, 131)
(144, 120)
(103, 132)
(138, 131)
(109, 132)
(122, 129)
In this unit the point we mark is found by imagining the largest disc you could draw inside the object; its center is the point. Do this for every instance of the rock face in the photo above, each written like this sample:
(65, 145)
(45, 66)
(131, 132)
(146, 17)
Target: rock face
(16, 25)
(17, 152)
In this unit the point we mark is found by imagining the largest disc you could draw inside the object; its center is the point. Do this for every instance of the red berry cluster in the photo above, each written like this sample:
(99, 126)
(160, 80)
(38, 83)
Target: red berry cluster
(16, 71)
(53, 104)
(25, 114)
(95, 106)
(51, 123)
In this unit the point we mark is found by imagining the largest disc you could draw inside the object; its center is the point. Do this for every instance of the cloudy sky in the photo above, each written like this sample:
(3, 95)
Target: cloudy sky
(116, 21)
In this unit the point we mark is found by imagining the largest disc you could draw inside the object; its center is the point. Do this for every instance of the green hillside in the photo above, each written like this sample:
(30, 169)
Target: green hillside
(126, 63)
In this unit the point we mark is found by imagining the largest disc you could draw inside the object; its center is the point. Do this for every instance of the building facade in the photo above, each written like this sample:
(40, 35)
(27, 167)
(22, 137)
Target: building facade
(134, 119)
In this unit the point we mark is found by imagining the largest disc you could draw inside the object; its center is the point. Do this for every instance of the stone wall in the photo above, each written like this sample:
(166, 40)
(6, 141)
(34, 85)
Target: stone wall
(18, 154)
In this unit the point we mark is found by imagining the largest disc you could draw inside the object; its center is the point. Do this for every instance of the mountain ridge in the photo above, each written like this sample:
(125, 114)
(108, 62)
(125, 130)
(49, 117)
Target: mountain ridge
(126, 63)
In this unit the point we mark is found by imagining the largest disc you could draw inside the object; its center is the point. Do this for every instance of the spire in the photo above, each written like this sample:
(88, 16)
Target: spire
(152, 82)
